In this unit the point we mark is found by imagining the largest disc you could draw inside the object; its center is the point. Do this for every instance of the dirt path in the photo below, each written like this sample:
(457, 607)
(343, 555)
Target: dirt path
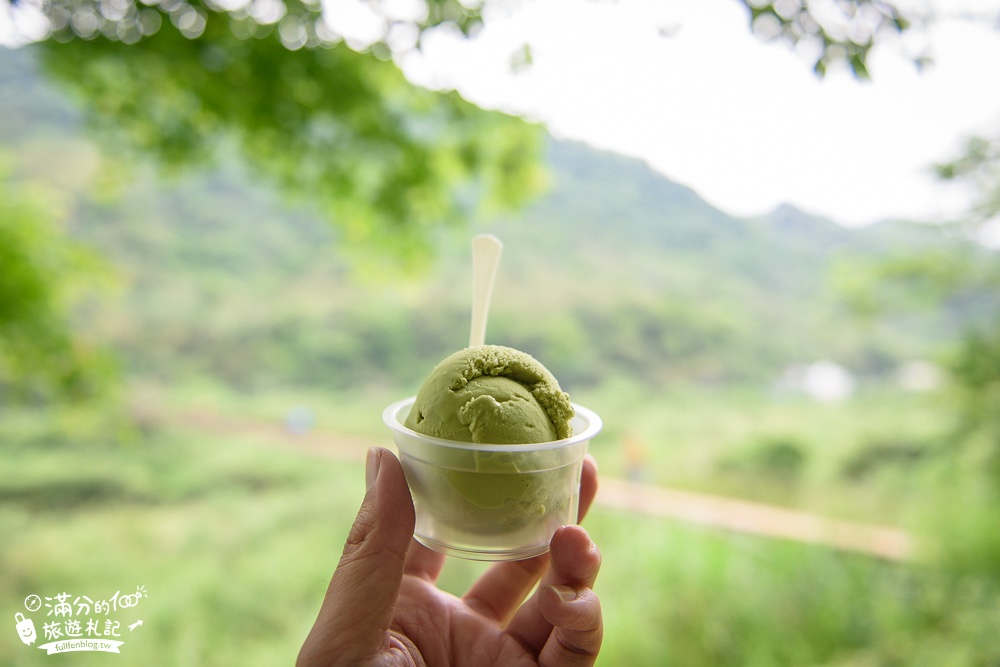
(755, 518)
(701, 509)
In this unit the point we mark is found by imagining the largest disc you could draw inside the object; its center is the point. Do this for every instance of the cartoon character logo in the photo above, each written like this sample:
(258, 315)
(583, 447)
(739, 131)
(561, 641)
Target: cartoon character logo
(25, 629)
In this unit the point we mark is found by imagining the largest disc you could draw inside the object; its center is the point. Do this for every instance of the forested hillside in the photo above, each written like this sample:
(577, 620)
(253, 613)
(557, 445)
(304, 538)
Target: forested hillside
(615, 271)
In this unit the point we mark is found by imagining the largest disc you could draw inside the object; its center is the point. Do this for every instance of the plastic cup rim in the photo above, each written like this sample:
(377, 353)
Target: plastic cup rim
(594, 425)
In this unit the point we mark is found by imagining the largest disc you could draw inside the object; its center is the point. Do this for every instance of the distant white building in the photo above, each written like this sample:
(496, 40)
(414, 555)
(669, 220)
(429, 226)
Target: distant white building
(823, 381)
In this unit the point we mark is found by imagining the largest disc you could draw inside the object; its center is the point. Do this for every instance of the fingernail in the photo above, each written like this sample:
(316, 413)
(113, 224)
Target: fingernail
(565, 593)
(372, 464)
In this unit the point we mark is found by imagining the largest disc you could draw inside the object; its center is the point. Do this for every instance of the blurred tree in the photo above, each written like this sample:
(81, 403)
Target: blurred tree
(327, 116)
(44, 274)
(844, 32)
(830, 32)
(958, 275)
(188, 83)
(341, 129)
(976, 369)
(978, 167)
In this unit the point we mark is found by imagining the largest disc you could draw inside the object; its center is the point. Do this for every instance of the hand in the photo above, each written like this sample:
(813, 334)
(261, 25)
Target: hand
(383, 607)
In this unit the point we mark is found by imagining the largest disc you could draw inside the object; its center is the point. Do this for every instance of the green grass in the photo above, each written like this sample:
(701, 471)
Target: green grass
(235, 540)
(676, 595)
(724, 442)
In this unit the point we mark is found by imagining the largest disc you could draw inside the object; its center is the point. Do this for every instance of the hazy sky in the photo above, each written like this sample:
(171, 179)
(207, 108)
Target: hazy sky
(684, 85)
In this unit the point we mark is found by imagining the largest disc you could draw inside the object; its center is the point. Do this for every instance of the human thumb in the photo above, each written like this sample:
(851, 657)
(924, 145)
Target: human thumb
(354, 619)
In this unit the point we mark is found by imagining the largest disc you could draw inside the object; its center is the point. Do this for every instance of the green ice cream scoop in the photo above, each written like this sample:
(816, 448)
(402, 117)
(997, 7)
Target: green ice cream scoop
(491, 394)
(496, 395)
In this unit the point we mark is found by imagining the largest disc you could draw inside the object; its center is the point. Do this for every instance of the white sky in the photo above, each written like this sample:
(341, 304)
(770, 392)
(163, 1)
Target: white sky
(746, 124)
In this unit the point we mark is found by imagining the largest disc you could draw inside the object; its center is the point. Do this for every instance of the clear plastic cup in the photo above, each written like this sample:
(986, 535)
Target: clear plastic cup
(491, 502)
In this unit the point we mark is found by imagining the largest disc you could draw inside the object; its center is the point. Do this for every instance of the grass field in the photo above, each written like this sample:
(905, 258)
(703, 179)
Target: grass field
(234, 539)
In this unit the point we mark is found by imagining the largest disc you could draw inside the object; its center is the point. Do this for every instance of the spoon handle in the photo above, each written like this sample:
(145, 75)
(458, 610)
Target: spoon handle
(486, 250)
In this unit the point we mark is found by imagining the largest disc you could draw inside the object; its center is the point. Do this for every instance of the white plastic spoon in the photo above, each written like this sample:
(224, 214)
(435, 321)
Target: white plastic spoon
(486, 250)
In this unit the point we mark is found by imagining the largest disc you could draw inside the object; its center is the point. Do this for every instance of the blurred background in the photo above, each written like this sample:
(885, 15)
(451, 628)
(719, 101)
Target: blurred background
(232, 232)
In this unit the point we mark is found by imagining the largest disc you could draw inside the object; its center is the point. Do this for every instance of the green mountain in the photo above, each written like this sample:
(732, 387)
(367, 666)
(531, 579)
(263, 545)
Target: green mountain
(686, 291)
(615, 271)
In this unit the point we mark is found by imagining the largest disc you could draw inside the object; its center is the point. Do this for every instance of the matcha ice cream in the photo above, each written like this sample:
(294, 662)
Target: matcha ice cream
(491, 394)
(491, 447)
